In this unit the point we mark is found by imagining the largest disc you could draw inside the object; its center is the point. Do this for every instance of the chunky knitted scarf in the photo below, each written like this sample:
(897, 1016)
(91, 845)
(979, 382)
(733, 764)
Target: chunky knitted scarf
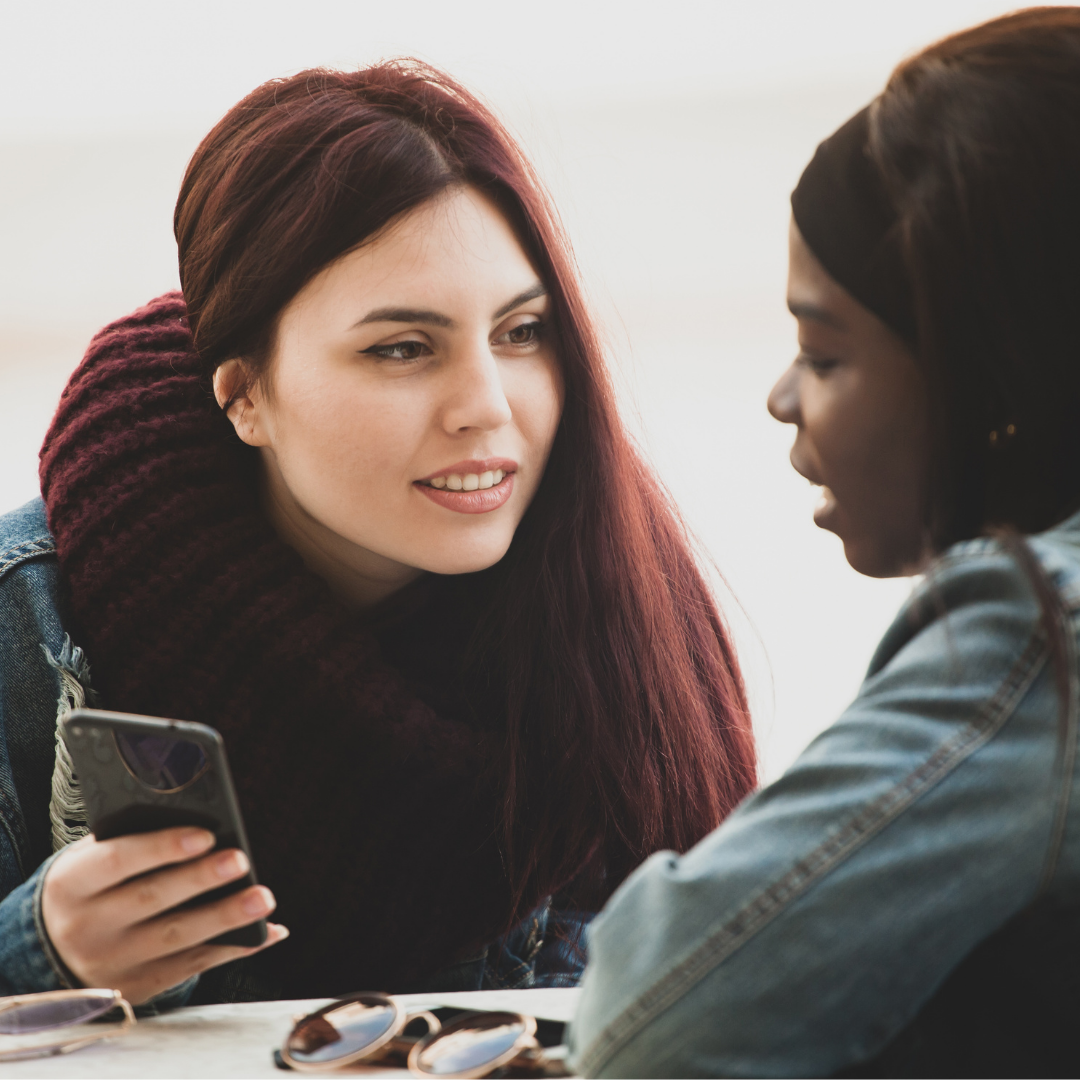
(369, 793)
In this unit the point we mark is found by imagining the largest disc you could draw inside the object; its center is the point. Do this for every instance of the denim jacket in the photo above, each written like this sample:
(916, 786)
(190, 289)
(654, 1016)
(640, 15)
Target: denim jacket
(37, 663)
(905, 899)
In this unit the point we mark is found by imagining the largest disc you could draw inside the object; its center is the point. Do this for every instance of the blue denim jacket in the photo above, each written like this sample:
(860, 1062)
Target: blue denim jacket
(823, 927)
(539, 952)
(32, 634)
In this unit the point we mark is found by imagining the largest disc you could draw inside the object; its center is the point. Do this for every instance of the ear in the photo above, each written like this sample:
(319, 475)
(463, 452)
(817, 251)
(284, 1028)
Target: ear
(233, 380)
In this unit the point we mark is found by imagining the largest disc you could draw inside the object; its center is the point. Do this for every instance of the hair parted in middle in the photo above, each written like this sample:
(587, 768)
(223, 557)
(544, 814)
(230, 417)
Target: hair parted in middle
(598, 639)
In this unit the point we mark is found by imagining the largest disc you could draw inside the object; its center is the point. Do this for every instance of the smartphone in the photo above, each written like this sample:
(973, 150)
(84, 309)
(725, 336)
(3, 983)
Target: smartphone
(141, 773)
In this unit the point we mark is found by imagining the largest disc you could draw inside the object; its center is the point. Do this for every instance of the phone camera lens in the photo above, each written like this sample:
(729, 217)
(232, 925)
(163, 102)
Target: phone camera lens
(162, 764)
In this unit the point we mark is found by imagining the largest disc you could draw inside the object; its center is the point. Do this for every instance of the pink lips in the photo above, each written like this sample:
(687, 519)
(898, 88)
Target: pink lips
(472, 502)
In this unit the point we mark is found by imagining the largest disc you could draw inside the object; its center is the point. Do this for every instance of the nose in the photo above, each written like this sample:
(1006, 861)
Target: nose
(783, 401)
(476, 398)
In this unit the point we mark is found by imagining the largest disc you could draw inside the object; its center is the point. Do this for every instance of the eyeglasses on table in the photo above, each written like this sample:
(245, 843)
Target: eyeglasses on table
(371, 1027)
(58, 1021)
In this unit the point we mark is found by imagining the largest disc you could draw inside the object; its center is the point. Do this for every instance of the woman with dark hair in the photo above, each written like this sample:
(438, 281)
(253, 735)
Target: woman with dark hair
(905, 900)
(360, 499)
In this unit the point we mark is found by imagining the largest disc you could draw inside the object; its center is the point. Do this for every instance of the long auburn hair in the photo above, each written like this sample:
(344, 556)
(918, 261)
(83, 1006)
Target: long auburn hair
(598, 638)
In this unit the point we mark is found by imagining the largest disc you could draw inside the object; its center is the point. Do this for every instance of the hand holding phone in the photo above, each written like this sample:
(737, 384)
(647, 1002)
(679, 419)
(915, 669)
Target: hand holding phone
(165, 887)
(114, 912)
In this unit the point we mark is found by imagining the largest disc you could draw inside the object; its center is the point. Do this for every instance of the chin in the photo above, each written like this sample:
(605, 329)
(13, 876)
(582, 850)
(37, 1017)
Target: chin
(464, 562)
(872, 560)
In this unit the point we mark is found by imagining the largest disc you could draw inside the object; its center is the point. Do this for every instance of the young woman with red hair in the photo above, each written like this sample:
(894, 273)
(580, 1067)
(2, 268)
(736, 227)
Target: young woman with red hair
(360, 499)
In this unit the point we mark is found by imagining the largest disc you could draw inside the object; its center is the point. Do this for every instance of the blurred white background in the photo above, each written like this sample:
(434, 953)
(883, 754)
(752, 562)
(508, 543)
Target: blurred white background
(670, 134)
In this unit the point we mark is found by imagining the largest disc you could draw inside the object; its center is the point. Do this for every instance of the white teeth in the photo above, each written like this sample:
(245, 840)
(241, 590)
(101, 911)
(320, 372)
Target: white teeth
(469, 482)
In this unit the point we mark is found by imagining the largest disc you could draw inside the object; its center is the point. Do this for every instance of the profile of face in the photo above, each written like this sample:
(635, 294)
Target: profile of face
(860, 408)
(410, 402)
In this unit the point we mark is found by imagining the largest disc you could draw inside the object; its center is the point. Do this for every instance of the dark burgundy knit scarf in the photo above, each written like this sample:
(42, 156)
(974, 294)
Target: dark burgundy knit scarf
(371, 816)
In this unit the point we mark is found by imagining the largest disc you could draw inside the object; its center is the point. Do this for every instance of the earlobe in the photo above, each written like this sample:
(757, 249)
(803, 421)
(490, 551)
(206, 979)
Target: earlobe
(238, 394)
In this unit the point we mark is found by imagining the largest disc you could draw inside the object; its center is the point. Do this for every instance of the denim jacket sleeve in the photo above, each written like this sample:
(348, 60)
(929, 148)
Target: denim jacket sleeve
(808, 929)
(28, 962)
(30, 624)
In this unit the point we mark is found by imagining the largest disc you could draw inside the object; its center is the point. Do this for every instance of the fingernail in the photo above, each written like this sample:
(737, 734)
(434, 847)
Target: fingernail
(231, 864)
(196, 840)
(258, 902)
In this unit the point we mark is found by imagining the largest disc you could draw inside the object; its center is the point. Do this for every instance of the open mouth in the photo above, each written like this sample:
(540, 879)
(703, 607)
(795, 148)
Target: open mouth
(471, 487)
(467, 481)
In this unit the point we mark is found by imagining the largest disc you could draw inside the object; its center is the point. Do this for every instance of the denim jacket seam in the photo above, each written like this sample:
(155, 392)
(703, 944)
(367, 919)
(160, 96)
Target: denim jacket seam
(1066, 754)
(769, 902)
(24, 551)
(64, 974)
(15, 845)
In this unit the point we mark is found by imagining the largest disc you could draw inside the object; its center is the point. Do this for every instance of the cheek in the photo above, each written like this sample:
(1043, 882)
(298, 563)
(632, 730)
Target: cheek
(331, 432)
(535, 395)
(855, 434)
(871, 451)
(831, 421)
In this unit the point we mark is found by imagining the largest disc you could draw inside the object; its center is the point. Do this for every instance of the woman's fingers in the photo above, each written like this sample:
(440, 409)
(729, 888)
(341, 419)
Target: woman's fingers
(92, 866)
(148, 896)
(179, 931)
(116, 909)
(158, 975)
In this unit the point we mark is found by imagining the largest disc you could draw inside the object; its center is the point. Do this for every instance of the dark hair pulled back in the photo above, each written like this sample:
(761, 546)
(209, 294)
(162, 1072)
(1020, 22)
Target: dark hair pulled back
(978, 139)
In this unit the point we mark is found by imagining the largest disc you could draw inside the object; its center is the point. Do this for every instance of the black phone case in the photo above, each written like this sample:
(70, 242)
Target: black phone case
(118, 804)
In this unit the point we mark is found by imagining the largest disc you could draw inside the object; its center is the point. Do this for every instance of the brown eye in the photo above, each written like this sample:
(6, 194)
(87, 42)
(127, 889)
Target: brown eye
(524, 334)
(405, 351)
(819, 365)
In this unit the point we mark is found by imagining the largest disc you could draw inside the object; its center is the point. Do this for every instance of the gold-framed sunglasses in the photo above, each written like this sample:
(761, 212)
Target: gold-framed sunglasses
(373, 1027)
(365, 1027)
(40, 1025)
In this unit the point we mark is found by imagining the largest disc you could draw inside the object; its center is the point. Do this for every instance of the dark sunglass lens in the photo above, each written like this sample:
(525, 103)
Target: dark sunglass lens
(340, 1032)
(160, 763)
(469, 1047)
(53, 1013)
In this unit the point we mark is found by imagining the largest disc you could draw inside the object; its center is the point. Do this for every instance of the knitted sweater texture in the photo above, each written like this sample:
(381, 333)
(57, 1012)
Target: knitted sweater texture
(371, 813)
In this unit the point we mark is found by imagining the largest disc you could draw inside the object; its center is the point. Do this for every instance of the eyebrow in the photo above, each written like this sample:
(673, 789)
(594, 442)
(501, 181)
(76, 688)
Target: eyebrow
(802, 310)
(405, 315)
(435, 318)
(532, 293)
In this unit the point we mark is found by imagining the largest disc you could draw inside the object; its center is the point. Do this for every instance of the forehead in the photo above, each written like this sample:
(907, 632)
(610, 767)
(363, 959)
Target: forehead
(814, 296)
(807, 278)
(456, 238)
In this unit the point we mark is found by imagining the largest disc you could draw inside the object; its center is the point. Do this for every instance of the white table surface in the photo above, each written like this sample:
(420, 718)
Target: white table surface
(212, 1041)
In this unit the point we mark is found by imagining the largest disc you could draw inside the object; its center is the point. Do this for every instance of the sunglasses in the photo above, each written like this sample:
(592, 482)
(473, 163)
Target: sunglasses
(40, 1025)
(372, 1027)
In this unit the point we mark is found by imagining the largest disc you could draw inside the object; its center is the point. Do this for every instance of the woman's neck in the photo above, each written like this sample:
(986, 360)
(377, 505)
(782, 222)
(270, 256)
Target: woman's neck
(358, 577)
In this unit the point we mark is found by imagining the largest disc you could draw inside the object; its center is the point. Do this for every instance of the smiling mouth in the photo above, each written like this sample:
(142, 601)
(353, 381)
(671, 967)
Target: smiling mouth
(470, 492)
(466, 481)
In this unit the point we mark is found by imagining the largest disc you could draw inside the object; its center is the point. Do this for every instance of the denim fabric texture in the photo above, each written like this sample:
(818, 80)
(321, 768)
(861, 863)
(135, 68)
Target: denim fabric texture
(538, 952)
(545, 949)
(820, 925)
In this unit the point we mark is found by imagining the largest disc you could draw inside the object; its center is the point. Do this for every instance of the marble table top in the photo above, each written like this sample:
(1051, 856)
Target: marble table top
(211, 1041)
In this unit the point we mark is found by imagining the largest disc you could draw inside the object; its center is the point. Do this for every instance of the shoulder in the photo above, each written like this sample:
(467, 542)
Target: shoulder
(978, 596)
(29, 587)
(24, 537)
(30, 624)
